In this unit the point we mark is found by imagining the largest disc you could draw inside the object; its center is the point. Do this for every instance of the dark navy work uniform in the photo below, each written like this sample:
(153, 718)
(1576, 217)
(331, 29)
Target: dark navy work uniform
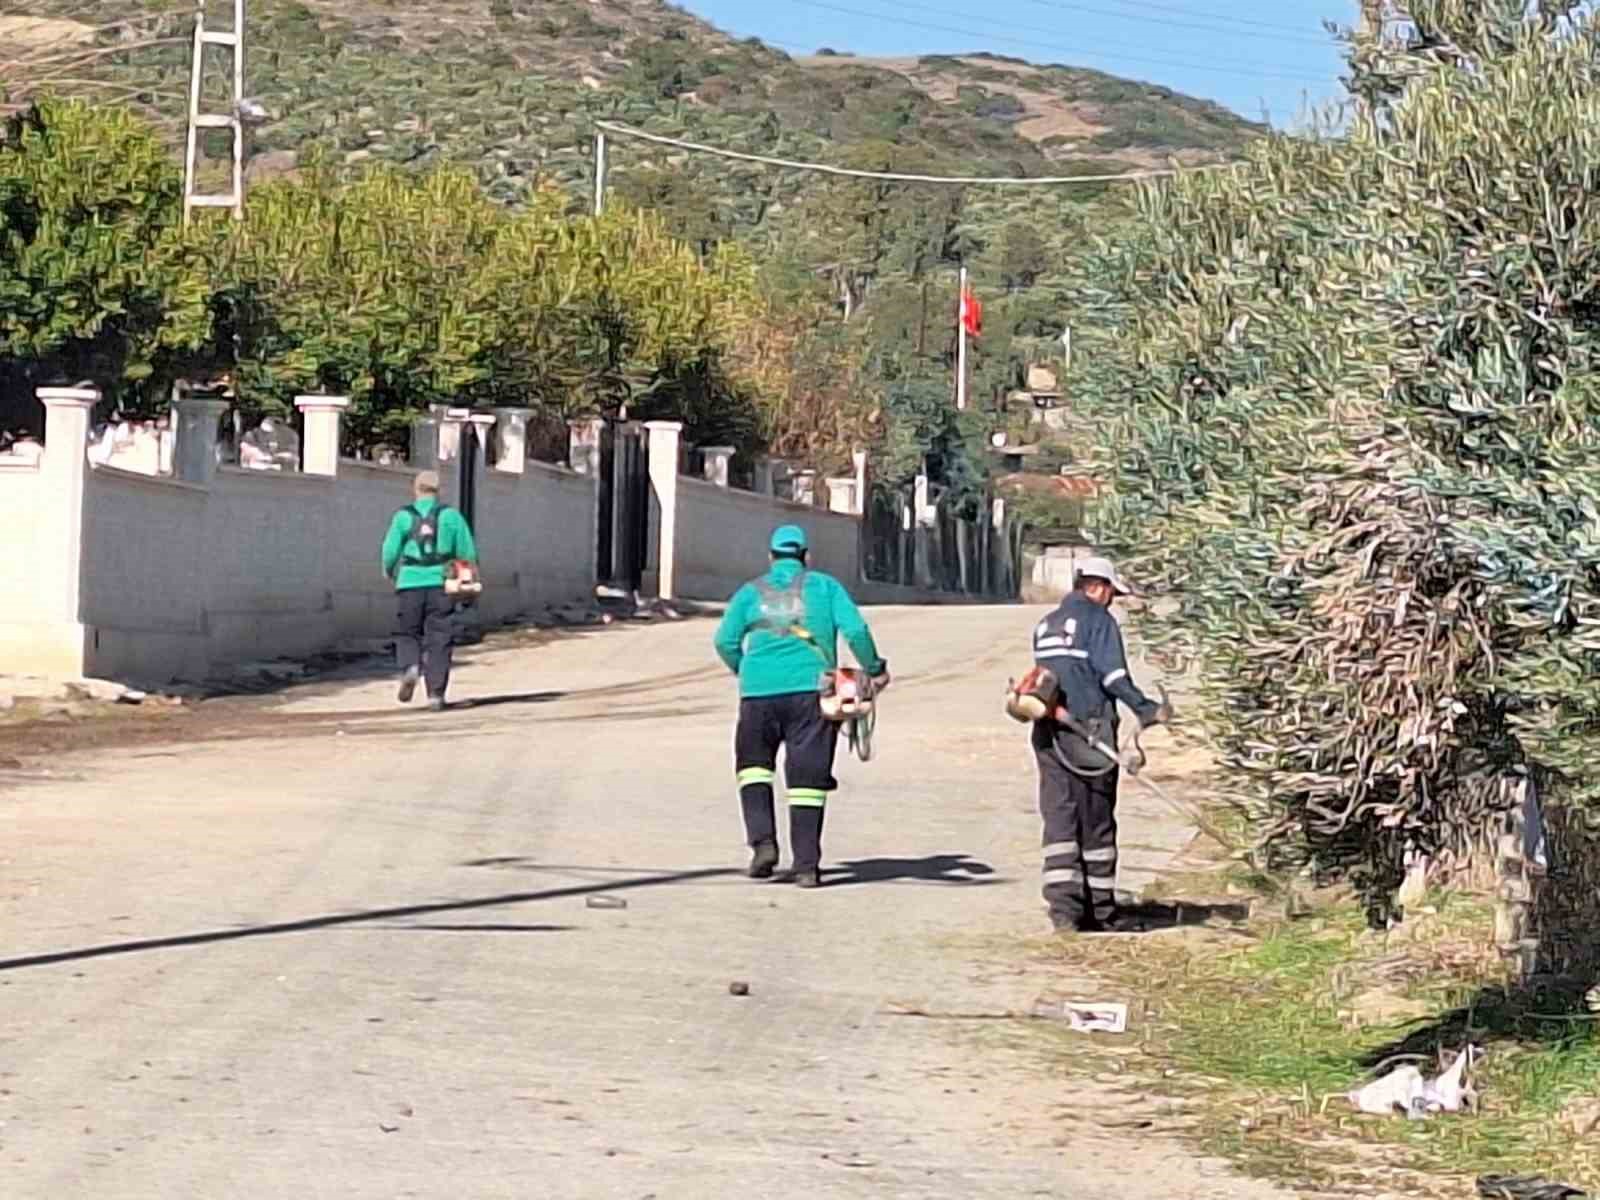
(1081, 643)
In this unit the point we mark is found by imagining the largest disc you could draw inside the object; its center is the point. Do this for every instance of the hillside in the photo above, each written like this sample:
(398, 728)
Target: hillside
(1069, 112)
(510, 89)
(508, 86)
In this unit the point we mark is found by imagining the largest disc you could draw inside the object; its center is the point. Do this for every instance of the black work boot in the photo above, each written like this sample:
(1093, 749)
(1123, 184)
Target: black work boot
(805, 833)
(760, 830)
(764, 860)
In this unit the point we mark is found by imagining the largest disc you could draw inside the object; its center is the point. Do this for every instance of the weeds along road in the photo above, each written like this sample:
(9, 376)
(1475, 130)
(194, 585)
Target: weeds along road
(338, 950)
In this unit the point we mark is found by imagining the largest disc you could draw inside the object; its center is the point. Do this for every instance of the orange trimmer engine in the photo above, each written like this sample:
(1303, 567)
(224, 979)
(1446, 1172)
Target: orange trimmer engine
(846, 695)
(1033, 697)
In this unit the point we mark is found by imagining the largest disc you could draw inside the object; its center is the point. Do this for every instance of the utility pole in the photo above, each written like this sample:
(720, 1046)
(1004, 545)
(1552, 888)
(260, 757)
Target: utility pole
(599, 172)
(961, 343)
(233, 121)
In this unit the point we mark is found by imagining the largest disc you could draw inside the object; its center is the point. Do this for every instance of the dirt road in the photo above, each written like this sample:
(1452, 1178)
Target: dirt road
(357, 958)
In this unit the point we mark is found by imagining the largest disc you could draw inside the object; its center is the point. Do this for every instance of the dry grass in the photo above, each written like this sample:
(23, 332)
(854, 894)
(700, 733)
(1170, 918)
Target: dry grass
(1257, 1032)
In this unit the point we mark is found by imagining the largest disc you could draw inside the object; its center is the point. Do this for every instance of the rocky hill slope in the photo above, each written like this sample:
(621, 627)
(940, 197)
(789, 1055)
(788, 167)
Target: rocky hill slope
(509, 87)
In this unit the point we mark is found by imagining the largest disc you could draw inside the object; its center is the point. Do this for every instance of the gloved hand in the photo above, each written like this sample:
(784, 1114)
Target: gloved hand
(882, 679)
(1164, 713)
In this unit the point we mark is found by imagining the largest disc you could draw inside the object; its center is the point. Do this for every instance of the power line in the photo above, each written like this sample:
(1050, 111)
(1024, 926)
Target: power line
(1056, 30)
(1142, 9)
(628, 131)
(990, 36)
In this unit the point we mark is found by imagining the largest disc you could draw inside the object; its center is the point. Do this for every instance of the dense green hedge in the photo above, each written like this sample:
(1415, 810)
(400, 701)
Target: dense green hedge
(1355, 425)
(398, 289)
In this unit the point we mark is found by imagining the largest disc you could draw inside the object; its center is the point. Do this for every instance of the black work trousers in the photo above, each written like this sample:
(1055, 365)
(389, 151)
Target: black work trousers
(1080, 839)
(794, 722)
(424, 630)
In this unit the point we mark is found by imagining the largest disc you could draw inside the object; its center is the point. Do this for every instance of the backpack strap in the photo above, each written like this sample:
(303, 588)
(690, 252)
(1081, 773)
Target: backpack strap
(795, 588)
(426, 556)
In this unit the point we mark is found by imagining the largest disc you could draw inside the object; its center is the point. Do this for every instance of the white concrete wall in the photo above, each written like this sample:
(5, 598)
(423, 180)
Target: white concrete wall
(145, 578)
(20, 491)
(723, 535)
(179, 578)
(538, 541)
(365, 500)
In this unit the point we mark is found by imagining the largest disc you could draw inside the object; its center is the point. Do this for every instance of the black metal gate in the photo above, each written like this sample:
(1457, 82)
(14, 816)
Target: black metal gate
(467, 460)
(624, 506)
(604, 557)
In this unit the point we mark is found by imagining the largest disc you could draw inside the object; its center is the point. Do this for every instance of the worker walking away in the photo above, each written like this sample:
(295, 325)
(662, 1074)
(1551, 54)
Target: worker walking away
(780, 636)
(425, 538)
(1081, 644)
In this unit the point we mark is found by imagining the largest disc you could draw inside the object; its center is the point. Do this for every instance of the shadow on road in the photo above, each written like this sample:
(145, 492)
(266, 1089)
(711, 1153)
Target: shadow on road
(497, 701)
(485, 928)
(957, 869)
(1181, 914)
(369, 917)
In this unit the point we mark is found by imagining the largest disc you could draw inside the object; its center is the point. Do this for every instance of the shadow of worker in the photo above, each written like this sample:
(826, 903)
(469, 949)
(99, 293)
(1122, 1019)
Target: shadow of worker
(958, 869)
(1184, 914)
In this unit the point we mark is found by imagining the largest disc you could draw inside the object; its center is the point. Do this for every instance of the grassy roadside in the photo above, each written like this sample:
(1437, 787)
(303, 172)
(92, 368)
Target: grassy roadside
(1258, 1031)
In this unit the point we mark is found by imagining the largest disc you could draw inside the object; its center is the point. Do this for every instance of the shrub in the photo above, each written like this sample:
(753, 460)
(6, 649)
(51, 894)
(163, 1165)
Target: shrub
(97, 278)
(1356, 431)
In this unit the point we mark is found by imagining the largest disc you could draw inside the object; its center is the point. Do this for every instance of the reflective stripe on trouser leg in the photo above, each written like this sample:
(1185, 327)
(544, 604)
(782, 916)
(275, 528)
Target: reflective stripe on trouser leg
(1101, 868)
(756, 775)
(1063, 875)
(1069, 875)
(807, 798)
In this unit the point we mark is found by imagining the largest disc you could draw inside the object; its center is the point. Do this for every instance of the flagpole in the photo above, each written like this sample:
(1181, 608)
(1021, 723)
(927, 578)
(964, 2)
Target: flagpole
(961, 343)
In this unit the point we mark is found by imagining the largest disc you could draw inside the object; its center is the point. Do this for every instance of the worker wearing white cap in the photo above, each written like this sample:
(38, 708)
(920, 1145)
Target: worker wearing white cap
(1081, 643)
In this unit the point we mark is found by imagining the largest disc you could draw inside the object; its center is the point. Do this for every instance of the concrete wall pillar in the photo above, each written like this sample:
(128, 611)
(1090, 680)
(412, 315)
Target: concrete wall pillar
(511, 439)
(662, 440)
(782, 478)
(583, 445)
(62, 648)
(195, 453)
(320, 444)
(924, 516)
(859, 458)
(484, 424)
(718, 462)
(906, 542)
(425, 443)
(841, 495)
(804, 485)
(1004, 570)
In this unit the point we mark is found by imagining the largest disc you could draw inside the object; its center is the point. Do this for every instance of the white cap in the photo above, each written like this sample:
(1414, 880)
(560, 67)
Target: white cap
(1102, 568)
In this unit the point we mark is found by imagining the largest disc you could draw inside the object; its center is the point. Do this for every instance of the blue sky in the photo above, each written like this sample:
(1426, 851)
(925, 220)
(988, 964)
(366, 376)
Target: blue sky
(1247, 54)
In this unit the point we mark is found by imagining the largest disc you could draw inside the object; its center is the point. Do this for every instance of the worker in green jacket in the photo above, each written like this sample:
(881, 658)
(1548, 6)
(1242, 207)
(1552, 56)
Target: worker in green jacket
(425, 537)
(780, 635)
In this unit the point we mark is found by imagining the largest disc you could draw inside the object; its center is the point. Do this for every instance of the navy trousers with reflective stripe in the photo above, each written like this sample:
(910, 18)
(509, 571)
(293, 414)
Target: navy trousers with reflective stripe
(1080, 840)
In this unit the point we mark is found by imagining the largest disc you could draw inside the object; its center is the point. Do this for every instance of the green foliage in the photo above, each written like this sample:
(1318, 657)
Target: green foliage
(356, 289)
(1356, 426)
(97, 280)
(507, 91)
(403, 291)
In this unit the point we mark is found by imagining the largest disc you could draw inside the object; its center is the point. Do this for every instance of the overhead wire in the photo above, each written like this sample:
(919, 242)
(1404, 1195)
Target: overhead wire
(990, 35)
(659, 139)
(919, 6)
(1206, 21)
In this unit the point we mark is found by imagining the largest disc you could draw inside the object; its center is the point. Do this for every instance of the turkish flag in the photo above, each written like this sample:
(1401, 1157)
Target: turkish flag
(971, 313)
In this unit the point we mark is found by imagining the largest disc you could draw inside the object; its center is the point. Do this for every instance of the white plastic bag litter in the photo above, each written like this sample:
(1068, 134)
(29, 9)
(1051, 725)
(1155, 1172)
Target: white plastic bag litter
(1398, 1090)
(1406, 1090)
(1450, 1092)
